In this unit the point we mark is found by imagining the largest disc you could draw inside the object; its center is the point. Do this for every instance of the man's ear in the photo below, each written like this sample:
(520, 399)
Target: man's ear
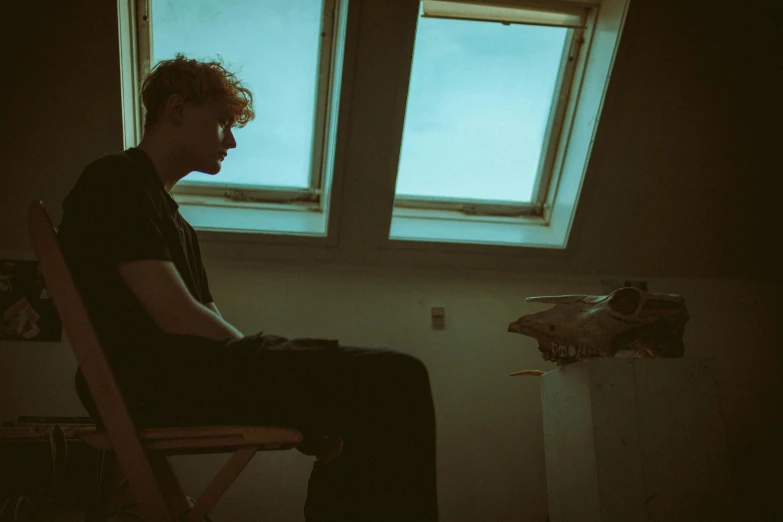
(173, 110)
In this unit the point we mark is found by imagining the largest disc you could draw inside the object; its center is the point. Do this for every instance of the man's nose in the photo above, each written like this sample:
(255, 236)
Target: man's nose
(228, 140)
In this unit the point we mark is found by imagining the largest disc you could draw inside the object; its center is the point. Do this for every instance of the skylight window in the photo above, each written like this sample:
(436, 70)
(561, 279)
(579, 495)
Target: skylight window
(286, 52)
(472, 123)
(484, 106)
(274, 47)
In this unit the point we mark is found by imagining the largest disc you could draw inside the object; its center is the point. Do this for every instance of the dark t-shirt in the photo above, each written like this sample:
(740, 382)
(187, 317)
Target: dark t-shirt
(119, 211)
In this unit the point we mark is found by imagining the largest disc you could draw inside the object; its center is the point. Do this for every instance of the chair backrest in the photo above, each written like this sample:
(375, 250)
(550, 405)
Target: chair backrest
(88, 351)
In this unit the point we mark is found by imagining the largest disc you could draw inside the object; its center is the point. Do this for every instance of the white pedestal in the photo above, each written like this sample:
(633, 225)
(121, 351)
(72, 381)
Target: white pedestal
(635, 440)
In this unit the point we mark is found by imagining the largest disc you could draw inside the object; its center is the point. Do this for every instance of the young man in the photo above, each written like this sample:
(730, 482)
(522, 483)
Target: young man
(138, 265)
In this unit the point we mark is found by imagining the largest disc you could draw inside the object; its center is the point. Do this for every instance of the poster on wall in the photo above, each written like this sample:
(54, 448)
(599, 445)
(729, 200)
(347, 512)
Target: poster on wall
(28, 313)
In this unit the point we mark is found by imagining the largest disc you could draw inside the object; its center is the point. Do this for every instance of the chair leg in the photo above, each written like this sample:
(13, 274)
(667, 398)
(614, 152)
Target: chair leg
(146, 488)
(220, 483)
(169, 484)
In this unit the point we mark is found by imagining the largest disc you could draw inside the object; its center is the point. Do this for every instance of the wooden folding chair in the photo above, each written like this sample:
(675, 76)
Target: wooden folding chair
(142, 455)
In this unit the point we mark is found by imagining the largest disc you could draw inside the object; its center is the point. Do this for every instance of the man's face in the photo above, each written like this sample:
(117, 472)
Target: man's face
(206, 135)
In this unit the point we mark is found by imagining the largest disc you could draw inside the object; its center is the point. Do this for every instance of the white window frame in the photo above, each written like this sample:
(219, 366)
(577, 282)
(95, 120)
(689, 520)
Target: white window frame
(234, 207)
(364, 225)
(547, 222)
(484, 13)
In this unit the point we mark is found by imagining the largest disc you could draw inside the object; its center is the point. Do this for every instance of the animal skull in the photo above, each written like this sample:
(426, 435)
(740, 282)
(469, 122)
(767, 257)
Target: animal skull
(628, 321)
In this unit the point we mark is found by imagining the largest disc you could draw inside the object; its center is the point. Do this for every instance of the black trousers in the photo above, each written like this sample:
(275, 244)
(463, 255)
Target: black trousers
(378, 401)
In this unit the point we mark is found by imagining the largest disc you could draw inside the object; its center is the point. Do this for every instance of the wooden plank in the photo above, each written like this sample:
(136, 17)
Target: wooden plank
(169, 483)
(92, 360)
(220, 484)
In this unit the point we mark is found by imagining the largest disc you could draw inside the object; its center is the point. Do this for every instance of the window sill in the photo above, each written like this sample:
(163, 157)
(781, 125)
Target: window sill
(260, 218)
(445, 227)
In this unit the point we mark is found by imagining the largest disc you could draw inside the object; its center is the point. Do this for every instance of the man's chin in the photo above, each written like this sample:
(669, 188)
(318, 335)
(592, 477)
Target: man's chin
(210, 170)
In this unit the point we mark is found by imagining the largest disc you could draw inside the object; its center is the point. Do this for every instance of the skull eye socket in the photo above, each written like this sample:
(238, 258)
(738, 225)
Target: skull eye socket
(625, 300)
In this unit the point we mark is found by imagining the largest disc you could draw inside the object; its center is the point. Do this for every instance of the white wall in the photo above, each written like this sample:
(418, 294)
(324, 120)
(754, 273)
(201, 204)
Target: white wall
(490, 445)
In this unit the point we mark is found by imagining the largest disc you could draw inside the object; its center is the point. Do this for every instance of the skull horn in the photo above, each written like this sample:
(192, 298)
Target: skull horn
(556, 299)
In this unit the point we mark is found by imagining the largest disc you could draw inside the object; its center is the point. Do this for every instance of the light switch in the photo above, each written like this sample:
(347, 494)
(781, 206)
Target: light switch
(438, 318)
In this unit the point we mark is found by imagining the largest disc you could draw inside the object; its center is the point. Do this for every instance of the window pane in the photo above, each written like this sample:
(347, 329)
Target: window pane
(478, 107)
(272, 45)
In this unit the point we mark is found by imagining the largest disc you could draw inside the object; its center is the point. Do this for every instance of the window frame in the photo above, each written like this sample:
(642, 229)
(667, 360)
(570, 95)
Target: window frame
(360, 224)
(553, 136)
(139, 19)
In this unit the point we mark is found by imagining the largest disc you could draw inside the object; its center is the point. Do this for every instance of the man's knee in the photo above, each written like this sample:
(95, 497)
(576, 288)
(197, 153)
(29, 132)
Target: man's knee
(407, 370)
(385, 371)
(415, 367)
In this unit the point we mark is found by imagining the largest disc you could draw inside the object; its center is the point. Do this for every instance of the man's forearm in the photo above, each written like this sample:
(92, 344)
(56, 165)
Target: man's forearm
(162, 292)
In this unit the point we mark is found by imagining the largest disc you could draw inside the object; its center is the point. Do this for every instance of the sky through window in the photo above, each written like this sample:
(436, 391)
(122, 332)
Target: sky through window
(272, 45)
(478, 104)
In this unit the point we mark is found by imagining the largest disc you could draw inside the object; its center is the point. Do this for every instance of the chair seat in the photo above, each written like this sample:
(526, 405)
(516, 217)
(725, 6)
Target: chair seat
(202, 439)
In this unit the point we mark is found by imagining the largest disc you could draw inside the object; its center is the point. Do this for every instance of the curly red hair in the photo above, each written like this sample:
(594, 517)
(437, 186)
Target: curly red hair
(197, 82)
